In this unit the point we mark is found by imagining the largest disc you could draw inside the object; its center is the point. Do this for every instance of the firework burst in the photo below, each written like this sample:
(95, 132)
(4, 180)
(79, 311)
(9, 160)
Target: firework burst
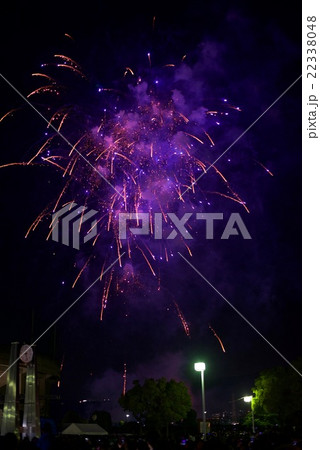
(133, 148)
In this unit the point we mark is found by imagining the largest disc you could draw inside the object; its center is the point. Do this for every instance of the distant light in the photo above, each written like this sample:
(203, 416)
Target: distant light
(199, 366)
(248, 398)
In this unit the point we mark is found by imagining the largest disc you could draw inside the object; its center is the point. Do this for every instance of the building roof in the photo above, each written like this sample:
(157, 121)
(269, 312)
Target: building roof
(92, 429)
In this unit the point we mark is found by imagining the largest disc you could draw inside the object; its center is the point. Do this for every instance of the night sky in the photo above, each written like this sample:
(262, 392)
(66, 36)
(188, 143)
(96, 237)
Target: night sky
(248, 54)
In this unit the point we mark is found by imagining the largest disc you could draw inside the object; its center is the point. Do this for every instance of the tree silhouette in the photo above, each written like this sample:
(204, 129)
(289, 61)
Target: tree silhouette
(102, 418)
(278, 393)
(157, 403)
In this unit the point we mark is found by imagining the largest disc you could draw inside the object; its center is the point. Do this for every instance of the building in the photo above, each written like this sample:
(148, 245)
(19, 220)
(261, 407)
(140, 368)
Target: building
(47, 375)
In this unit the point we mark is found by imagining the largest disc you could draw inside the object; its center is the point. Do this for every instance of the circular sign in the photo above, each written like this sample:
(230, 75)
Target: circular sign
(26, 353)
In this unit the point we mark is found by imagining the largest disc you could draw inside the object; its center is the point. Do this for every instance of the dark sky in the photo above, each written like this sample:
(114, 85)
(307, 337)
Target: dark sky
(248, 53)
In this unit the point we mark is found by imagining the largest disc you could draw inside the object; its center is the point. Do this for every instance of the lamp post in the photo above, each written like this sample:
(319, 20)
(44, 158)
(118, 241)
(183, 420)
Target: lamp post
(248, 399)
(201, 367)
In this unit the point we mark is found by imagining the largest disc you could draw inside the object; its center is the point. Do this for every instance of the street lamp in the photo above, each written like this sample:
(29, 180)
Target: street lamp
(248, 399)
(201, 367)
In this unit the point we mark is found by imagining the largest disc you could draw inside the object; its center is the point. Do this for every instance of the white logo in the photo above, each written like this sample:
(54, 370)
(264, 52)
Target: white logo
(68, 222)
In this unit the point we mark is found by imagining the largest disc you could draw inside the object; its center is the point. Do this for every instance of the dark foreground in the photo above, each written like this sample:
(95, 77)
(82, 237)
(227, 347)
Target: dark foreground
(226, 441)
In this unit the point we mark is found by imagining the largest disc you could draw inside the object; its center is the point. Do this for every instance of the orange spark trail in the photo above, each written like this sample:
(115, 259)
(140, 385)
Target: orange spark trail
(125, 157)
(81, 218)
(148, 262)
(105, 295)
(264, 167)
(40, 150)
(237, 197)
(209, 137)
(72, 163)
(74, 69)
(119, 245)
(102, 269)
(129, 249)
(128, 69)
(44, 76)
(40, 90)
(219, 173)
(194, 137)
(183, 117)
(14, 164)
(183, 320)
(215, 334)
(188, 248)
(95, 239)
(75, 145)
(66, 58)
(201, 164)
(49, 159)
(61, 194)
(124, 376)
(151, 254)
(241, 202)
(36, 222)
(62, 120)
(9, 113)
(68, 36)
(81, 271)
